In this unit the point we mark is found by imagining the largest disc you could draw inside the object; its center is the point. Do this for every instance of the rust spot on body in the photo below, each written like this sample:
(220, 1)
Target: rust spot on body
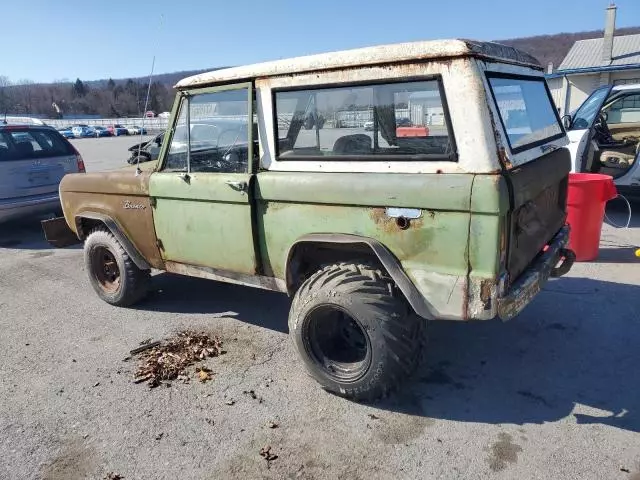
(390, 224)
(486, 287)
(382, 220)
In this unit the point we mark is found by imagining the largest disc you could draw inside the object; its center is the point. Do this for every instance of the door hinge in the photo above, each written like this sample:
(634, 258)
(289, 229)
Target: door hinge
(159, 244)
(153, 202)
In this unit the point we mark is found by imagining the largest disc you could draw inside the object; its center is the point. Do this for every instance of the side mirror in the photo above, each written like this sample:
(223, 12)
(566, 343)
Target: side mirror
(566, 121)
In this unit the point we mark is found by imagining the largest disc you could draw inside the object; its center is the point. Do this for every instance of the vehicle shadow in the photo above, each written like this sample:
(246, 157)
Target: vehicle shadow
(618, 254)
(26, 234)
(181, 294)
(573, 351)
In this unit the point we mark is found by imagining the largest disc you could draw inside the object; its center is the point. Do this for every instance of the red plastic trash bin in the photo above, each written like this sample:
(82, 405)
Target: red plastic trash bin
(587, 197)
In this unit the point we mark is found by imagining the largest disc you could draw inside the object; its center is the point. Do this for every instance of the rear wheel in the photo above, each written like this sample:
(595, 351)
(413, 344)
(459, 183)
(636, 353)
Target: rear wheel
(113, 275)
(355, 333)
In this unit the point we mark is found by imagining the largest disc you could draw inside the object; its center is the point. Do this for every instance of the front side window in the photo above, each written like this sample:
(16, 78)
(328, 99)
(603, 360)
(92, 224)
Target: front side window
(526, 110)
(624, 110)
(391, 121)
(211, 133)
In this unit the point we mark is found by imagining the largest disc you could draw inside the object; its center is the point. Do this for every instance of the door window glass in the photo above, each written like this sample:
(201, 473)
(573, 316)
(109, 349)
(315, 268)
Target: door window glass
(586, 113)
(219, 131)
(216, 138)
(624, 110)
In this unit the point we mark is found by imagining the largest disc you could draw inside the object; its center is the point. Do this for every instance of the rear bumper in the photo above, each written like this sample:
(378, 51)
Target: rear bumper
(536, 275)
(19, 207)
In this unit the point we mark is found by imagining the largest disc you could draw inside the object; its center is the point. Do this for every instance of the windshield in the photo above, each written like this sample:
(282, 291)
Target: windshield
(586, 114)
(526, 110)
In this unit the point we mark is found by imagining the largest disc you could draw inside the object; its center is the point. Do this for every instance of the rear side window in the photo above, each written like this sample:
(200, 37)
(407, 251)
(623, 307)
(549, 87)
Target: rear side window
(383, 121)
(32, 144)
(526, 110)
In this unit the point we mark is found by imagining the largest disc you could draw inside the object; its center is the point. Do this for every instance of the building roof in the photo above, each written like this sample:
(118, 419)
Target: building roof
(587, 54)
(376, 55)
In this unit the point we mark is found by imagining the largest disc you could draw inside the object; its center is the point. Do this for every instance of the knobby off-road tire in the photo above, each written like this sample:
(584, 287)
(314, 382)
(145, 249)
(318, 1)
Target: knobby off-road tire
(355, 331)
(113, 275)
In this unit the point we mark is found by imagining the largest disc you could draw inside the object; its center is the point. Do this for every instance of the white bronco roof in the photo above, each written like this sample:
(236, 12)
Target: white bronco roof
(381, 54)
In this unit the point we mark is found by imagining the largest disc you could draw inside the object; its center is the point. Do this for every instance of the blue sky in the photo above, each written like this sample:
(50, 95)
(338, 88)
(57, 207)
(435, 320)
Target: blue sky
(51, 40)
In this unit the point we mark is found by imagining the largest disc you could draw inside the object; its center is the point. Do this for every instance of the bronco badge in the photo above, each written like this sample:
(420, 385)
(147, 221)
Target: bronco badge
(129, 205)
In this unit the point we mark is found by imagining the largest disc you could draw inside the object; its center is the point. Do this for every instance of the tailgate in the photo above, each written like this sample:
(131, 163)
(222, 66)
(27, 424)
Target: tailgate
(538, 207)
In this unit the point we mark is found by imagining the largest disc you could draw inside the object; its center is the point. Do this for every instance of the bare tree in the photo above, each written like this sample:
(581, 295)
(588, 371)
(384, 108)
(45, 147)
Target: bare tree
(5, 98)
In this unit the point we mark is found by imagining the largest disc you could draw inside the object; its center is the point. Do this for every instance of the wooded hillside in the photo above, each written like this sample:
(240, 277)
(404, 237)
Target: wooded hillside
(126, 97)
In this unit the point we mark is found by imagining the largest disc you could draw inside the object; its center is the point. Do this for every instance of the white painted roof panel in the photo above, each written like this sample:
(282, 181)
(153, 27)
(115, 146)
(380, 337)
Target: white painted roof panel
(376, 55)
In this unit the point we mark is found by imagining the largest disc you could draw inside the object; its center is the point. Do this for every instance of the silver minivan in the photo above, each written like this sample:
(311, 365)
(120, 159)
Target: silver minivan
(33, 160)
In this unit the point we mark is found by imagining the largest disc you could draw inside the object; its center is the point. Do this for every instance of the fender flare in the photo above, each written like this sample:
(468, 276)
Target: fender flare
(389, 262)
(117, 232)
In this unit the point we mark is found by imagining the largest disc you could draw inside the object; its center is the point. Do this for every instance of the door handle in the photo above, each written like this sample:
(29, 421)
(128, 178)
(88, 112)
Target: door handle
(240, 186)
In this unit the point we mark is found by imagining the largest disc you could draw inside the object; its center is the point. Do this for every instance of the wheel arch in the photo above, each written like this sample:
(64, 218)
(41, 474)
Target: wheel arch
(298, 257)
(86, 221)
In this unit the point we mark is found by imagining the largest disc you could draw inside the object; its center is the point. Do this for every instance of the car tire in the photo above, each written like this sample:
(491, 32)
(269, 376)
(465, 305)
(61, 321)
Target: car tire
(355, 332)
(113, 275)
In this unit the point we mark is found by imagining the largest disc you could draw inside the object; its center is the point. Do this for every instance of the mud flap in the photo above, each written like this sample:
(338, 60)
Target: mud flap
(58, 233)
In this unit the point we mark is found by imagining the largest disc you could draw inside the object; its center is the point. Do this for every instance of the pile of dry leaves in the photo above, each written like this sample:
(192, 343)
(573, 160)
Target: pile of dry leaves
(169, 360)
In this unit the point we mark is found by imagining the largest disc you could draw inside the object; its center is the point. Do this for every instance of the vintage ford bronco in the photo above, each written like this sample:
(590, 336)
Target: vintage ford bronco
(450, 204)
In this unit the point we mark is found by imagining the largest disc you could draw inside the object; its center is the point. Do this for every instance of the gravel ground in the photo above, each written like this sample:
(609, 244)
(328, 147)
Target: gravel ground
(553, 394)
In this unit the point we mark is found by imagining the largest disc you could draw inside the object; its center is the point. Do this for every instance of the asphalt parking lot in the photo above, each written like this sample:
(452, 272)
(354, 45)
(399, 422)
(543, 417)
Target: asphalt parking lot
(553, 394)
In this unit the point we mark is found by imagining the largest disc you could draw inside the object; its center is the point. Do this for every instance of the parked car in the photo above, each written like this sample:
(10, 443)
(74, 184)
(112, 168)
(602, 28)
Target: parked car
(605, 136)
(101, 131)
(135, 130)
(164, 115)
(372, 237)
(118, 130)
(33, 160)
(83, 131)
(66, 132)
(368, 126)
(146, 151)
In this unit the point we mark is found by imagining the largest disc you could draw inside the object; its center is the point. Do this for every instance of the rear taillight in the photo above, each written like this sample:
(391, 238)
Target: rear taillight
(79, 159)
(81, 168)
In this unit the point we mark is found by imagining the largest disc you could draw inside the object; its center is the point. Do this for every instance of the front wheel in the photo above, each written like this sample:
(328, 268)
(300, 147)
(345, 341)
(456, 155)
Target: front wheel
(355, 332)
(113, 275)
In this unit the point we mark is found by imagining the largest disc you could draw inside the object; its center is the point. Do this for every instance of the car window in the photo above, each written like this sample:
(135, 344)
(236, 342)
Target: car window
(396, 120)
(526, 110)
(32, 144)
(586, 113)
(218, 134)
(624, 110)
(219, 131)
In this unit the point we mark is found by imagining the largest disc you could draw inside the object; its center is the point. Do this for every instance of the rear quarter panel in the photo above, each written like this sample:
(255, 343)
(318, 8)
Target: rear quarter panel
(433, 251)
